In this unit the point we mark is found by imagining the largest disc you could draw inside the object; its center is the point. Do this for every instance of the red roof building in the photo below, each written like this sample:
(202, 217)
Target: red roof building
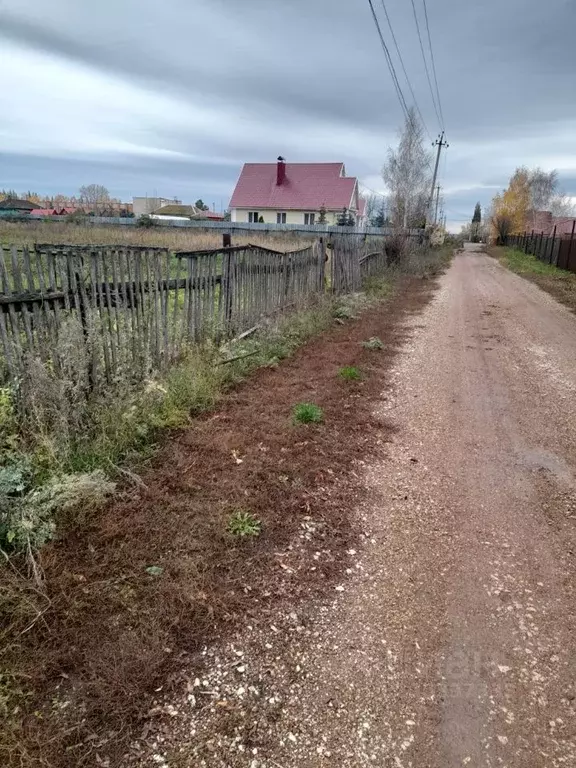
(43, 212)
(544, 222)
(294, 193)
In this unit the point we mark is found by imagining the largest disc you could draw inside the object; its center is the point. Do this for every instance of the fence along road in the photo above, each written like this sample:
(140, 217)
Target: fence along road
(230, 226)
(96, 315)
(558, 250)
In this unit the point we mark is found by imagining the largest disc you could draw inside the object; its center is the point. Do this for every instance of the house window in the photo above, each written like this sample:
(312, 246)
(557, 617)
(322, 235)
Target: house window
(253, 217)
(280, 218)
(309, 218)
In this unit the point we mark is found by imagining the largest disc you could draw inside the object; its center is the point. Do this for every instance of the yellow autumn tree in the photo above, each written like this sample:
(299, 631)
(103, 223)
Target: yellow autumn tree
(514, 203)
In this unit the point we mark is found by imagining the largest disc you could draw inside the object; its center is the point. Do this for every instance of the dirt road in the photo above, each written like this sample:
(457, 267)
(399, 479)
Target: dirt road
(451, 639)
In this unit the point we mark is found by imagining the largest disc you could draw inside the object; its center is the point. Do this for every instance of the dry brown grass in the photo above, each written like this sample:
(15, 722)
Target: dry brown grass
(174, 238)
(111, 633)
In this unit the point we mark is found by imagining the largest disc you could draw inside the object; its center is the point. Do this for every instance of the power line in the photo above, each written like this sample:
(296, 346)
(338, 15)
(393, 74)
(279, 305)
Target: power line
(374, 192)
(391, 67)
(433, 62)
(404, 68)
(425, 63)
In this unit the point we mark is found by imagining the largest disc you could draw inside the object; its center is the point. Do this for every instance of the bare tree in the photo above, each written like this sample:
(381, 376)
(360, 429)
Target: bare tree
(375, 210)
(543, 186)
(546, 195)
(406, 173)
(95, 197)
(562, 206)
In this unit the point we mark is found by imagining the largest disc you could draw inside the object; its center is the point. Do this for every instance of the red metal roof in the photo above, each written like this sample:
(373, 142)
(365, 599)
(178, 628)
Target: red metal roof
(43, 212)
(307, 186)
(563, 224)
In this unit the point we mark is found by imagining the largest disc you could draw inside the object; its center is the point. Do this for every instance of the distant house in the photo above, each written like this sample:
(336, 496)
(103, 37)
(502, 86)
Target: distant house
(186, 212)
(56, 211)
(544, 222)
(12, 206)
(294, 193)
(44, 212)
(147, 205)
(183, 211)
(210, 215)
(70, 210)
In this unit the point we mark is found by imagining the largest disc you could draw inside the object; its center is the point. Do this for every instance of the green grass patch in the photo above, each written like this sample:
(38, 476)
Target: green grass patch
(343, 312)
(350, 373)
(243, 524)
(521, 263)
(559, 283)
(307, 413)
(379, 287)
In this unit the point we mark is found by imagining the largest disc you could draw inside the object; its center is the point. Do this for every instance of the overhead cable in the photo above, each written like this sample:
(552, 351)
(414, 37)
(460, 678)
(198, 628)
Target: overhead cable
(391, 67)
(404, 69)
(433, 64)
(440, 121)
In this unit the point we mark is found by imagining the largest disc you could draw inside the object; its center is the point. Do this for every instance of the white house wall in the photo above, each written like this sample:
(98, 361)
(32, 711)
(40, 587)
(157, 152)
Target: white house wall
(292, 217)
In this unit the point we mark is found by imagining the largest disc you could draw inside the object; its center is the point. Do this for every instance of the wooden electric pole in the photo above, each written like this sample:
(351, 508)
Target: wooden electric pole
(438, 143)
(437, 201)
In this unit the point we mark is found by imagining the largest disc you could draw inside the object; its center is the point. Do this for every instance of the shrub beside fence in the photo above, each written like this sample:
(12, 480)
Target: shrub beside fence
(558, 250)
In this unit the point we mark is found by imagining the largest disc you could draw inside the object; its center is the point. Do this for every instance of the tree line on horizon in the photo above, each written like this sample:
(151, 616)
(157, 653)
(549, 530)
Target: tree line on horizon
(91, 197)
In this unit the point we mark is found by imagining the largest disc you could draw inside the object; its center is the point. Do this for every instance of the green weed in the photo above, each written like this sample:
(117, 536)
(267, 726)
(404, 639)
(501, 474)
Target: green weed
(342, 312)
(379, 287)
(307, 413)
(243, 523)
(520, 262)
(350, 373)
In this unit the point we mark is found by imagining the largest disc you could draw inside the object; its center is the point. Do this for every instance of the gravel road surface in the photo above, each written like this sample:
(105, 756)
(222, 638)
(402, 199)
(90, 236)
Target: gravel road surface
(451, 640)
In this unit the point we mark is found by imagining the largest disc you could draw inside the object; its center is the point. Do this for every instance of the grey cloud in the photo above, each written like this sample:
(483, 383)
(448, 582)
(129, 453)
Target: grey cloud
(506, 68)
(47, 175)
(323, 58)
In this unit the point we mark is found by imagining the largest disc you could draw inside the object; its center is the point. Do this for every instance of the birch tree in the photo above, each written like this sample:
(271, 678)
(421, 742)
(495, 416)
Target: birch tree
(95, 197)
(406, 173)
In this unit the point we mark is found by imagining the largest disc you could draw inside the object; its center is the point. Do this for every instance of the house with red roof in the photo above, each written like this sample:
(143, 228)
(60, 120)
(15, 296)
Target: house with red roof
(294, 193)
(44, 212)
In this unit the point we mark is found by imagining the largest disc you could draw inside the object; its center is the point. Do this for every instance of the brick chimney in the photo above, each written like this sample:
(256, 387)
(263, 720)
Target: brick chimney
(280, 171)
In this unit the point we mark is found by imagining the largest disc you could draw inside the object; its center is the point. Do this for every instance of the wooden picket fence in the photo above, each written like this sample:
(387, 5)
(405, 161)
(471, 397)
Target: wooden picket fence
(373, 264)
(94, 316)
(108, 312)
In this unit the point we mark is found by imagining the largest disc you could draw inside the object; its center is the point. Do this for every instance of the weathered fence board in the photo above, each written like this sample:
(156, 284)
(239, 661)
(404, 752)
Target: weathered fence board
(97, 315)
(373, 264)
(346, 277)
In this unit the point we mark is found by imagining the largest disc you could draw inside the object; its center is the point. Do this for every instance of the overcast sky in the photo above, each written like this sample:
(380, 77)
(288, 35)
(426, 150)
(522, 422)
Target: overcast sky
(171, 98)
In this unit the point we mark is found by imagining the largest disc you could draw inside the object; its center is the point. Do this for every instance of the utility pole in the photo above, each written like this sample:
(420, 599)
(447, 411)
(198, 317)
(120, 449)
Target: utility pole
(437, 201)
(438, 143)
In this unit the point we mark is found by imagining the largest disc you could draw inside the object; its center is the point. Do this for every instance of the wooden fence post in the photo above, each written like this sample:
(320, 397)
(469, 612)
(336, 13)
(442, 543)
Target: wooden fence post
(322, 267)
(227, 284)
(76, 280)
